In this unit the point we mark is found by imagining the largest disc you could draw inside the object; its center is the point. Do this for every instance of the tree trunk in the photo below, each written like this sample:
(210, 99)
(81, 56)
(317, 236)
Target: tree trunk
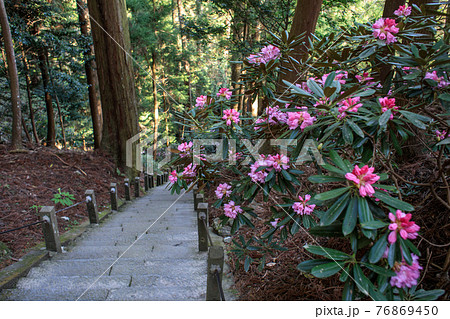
(16, 138)
(155, 105)
(91, 75)
(111, 36)
(390, 6)
(237, 31)
(51, 131)
(58, 105)
(30, 102)
(305, 20)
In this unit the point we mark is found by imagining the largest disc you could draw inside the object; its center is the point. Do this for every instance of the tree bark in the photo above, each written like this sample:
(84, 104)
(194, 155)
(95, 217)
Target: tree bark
(155, 105)
(111, 36)
(305, 20)
(51, 131)
(16, 136)
(390, 6)
(58, 105)
(91, 75)
(30, 102)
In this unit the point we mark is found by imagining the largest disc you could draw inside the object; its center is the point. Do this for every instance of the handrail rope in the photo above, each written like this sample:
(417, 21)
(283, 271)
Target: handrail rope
(41, 221)
(207, 231)
(14, 229)
(219, 284)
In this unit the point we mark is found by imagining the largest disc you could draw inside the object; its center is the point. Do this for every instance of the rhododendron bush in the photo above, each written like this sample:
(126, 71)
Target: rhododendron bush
(343, 120)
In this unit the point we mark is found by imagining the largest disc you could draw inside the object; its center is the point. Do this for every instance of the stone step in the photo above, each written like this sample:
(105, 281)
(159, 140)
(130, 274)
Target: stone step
(123, 266)
(163, 294)
(49, 295)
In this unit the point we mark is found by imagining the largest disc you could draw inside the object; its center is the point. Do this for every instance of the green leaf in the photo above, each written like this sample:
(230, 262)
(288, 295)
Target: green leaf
(355, 128)
(333, 230)
(445, 97)
(380, 270)
(315, 88)
(347, 134)
(332, 194)
(270, 175)
(327, 252)
(327, 270)
(335, 210)
(393, 202)
(338, 161)
(325, 179)
(286, 175)
(247, 263)
(416, 119)
(349, 290)
(384, 118)
(307, 266)
(422, 295)
(373, 224)
(350, 217)
(362, 282)
(444, 142)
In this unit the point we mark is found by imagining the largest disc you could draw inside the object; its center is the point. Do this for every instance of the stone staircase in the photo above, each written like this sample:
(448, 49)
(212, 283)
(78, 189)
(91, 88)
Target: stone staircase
(155, 237)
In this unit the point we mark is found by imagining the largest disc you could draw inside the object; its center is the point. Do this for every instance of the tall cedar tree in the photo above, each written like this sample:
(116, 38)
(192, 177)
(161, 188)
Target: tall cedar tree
(91, 75)
(16, 140)
(305, 20)
(112, 47)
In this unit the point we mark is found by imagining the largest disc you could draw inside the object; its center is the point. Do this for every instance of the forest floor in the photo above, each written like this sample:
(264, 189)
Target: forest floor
(280, 280)
(32, 178)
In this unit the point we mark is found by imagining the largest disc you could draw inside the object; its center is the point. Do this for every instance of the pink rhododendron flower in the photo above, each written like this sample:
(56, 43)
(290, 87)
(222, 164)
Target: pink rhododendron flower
(201, 101)
(388, 104)
(173, 177)
(255, 59)
(223, 190)
(224, 92)
(363, 178)
(231, 210)
(349, 105)
(278, 162)
(260, 176)
(407, 275)
(401, 224)
(185, 149)
(189, 171)
(302, 208)
(231, 115)
(365, 77)
(403, 11)
(384, 29)
(304, 119)
(441, 135)
(440, 80)
(270, 52)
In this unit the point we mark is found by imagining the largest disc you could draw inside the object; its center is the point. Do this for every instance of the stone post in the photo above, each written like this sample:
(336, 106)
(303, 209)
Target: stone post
(195, 191)
(91, 204)
(215, 264)
(113, 193)
(50, 228)
(137, 184)
(127, 189)
(199, 198)
(151, 181)
(202, 214)
(146, 182)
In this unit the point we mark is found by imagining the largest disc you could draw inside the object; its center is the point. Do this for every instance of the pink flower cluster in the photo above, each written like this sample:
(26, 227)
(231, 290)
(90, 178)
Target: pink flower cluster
(363, 178)
(403, 11)
(266, 54)
(384, 29)
(173, 177)
(201, 101)
(277, 162)
(402, 224)
(440, 80)
(275, 223)
(441, 135)
(302, 119)
(231, 115)
(185, 149)
(223, 190)
(407, 275)
(349, 105)
(231, 209)
(225, 92)
(274, 116)
(302, 208)
(388, 104)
